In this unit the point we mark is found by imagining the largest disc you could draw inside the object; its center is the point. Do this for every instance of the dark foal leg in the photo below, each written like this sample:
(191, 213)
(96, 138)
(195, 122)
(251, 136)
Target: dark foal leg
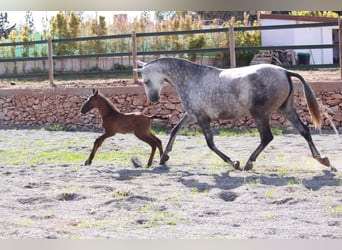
(149, 140)
(265, 136)
(204, 123)
(293, 117)
(158, 143)
(97, 144)
(186, 120)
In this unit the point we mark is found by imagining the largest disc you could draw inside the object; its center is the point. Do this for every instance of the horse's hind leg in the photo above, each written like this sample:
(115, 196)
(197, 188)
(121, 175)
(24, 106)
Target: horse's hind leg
(293, 117)
(265, 136)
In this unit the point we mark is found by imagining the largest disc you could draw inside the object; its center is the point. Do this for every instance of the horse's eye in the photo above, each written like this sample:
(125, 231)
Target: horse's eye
(147, 82)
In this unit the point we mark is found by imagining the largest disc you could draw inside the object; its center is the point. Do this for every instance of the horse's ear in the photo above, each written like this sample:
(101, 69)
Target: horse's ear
(95, 92)
(141, 70)
(140, 63)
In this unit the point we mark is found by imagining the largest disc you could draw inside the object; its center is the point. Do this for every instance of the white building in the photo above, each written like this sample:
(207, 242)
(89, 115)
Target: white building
(302, 36)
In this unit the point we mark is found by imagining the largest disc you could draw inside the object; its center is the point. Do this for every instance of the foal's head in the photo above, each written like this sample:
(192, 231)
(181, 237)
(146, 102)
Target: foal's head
(92, 102)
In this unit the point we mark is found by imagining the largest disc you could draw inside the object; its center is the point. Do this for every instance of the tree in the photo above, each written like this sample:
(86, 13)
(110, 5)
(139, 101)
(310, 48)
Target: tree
(29, 21)
(65, 25)
(315, 13)
(5, 29)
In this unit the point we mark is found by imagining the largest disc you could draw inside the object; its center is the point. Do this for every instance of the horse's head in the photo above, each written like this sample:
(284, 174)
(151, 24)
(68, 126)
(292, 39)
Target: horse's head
(90, 103)
(153, 79)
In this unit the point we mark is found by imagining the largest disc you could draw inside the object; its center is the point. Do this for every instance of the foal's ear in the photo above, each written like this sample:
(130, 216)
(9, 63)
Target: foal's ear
(95, 92)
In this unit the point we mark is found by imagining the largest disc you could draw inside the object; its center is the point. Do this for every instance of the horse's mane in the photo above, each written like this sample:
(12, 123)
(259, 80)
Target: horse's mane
(109, 103)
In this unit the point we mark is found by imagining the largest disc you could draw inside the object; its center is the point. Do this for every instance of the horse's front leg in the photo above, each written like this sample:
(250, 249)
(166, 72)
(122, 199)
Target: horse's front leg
(204, 123)
(186, 120)
(97, 144)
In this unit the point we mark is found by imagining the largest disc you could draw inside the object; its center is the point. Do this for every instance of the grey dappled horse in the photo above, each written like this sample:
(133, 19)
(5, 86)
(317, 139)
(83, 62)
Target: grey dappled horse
(209, 93)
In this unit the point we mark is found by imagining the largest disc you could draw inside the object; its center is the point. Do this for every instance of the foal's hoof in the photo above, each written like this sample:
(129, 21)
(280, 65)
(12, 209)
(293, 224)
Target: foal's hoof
(136, 163)
(87, 163)
(164, 159)
(236, 165)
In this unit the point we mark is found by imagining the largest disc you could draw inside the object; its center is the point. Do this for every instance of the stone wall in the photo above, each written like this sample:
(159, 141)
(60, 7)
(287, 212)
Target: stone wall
(44, 107)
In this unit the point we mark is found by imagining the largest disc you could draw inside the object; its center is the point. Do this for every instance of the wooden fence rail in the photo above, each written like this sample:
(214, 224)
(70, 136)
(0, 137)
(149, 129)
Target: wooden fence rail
(133, 51)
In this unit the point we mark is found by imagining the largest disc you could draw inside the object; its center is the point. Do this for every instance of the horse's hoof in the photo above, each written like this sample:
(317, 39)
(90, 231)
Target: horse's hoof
(164, 159)
(333, 169)
(248, 166)
(324, 160)
(87, 163)
(236, 165)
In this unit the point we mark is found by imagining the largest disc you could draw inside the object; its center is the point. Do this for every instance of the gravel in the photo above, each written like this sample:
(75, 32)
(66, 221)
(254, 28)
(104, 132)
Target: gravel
(287, 195)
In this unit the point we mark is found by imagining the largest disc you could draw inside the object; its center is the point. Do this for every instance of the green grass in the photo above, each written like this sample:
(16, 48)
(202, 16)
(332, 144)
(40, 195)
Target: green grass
(161, 130)
(24, 157)
(336, 210)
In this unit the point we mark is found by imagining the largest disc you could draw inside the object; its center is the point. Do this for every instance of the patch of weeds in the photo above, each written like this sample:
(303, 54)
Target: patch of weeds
(120, 194)
(270, 193)
(120, 157)
(253, 180)
(246, 132)
(294, 181)
(92, 224)
(270, 217)
(24, 222)
(159, 129)
(158, 218)
(339, 176)
(57, 157)
(336, 210)
(236, 132)
(56, 127)
(283, 172)
(190, 132)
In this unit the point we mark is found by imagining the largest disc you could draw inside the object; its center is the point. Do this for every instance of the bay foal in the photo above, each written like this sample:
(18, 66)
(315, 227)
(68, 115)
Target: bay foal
(113, 121)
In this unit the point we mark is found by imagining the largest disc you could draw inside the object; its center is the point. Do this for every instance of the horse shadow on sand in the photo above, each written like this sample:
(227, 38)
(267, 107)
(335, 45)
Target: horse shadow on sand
(226, 181)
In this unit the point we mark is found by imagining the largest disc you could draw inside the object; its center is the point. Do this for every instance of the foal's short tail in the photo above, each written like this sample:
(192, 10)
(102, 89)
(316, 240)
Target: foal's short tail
(310, 100)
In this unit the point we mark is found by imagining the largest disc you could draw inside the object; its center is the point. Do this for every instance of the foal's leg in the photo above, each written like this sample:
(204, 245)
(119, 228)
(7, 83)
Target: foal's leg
(204, 123)
(158, 144)
(293, 117)
(97, 144)
(186, 120)
(149, 139)
(265, 136)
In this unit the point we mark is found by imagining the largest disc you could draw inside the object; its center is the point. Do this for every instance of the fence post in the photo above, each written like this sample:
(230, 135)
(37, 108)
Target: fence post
(134, 56)
(232, 46)
(50, 62)
(340, 43)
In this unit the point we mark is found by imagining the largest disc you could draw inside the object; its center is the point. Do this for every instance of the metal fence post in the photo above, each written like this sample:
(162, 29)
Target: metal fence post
(232, 46)
(340, 43)
(134, 56)
(50, 62)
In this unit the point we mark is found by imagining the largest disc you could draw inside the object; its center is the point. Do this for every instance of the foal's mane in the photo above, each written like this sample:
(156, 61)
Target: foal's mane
(108, 103)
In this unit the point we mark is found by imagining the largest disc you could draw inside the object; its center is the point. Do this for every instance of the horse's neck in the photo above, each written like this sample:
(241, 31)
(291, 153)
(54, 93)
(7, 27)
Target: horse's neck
(176, 74)
(107, 108)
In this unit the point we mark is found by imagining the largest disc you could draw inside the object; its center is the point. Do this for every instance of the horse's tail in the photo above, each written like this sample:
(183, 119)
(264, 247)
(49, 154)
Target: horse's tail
(310, 100)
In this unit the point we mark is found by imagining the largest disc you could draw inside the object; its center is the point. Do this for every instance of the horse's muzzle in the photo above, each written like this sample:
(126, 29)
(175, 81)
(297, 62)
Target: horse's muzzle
(84, 110)
(155, 97)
